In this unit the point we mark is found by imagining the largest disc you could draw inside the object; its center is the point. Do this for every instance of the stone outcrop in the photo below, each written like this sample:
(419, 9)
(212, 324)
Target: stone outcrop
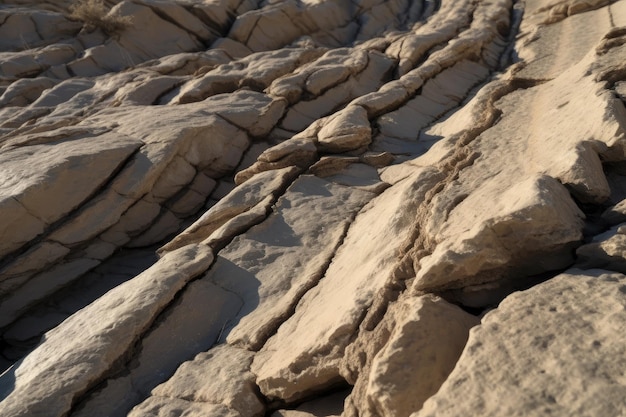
(537, 341)
(312, 208)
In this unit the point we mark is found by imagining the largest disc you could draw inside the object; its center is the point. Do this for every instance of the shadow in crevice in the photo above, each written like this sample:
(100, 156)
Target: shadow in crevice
(327, 402)
(478, 299)
(21, 336)
(7, 381)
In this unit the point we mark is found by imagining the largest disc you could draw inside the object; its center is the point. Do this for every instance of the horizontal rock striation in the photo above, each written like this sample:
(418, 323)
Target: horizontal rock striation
(305, 208)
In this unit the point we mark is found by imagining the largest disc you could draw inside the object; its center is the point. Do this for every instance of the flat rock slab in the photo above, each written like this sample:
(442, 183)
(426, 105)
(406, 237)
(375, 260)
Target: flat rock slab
(305, 353)
(240, 200)
(76, 355)
(277, 261)
(190, 324)
(41, 184)
(220, 376)
(550, 350)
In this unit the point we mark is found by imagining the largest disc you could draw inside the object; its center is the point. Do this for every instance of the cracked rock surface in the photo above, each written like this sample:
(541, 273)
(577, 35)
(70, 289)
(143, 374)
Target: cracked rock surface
(312, 208)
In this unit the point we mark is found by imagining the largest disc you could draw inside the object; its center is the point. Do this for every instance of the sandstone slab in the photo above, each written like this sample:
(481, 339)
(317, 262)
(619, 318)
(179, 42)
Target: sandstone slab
(547, 350)
(273, 264)
(305, 353)
(76, 355)
(240, 200)
(193, 323)
(219, 376)
(48, 182)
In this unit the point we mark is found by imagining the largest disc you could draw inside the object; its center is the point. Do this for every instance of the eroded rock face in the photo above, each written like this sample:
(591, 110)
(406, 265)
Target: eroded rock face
(76, 355)
(539, 342)
(221, 376)
(407, 356)
(337, 191)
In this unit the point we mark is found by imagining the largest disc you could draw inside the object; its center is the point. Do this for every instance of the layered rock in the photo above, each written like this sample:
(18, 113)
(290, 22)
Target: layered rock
(344, 196)
(553, 343)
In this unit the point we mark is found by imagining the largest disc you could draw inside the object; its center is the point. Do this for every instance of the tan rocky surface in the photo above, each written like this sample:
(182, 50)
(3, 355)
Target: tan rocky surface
(558, 360)
(404, 360)
(303, 208)
(221, 376)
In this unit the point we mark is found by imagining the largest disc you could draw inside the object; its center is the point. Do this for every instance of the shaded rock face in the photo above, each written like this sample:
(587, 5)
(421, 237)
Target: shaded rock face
(318, 208)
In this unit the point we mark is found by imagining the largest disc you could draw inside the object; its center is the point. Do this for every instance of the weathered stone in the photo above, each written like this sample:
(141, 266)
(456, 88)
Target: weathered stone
(273, 264)
(438, 96)
(501, 237)
(424, 338)
(383, 149)
(25, 91)
(239, 224)
(146, 91)
(355, 175)
(274, 27)
(367, 71)
(51, 181)
(76, 355)
(220, 376)
(547, 350)
(257, 70)
(19, 299)
(346, 131)
(445, 23)
(27, 26)
(299, 151)
(151, 36)
(607, 251)
(164, 226)
(334, 67)
(240, 200)
(304, 355)
(191, 324)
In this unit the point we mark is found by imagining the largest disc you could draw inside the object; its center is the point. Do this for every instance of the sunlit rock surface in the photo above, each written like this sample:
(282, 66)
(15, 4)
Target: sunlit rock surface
(312, 208)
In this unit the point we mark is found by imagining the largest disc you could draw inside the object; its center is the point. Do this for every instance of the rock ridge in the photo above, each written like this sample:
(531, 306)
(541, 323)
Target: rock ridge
(305, 208)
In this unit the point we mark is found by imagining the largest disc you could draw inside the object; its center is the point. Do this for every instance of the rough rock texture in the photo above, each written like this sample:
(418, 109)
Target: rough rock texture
(306, 351)
(407, 356)
(301, 207)
(77, 354)
(220, 376)
(558, 360)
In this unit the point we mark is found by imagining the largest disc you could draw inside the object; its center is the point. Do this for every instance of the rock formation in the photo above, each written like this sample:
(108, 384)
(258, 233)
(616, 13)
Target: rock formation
(304, 208)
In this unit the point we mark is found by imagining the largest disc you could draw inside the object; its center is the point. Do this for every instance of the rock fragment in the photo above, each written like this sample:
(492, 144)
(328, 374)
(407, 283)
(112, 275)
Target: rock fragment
(409, 355)
(476, 253)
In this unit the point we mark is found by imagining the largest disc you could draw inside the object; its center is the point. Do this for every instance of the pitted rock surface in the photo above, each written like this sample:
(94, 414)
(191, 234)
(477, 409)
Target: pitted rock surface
(312, 208)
